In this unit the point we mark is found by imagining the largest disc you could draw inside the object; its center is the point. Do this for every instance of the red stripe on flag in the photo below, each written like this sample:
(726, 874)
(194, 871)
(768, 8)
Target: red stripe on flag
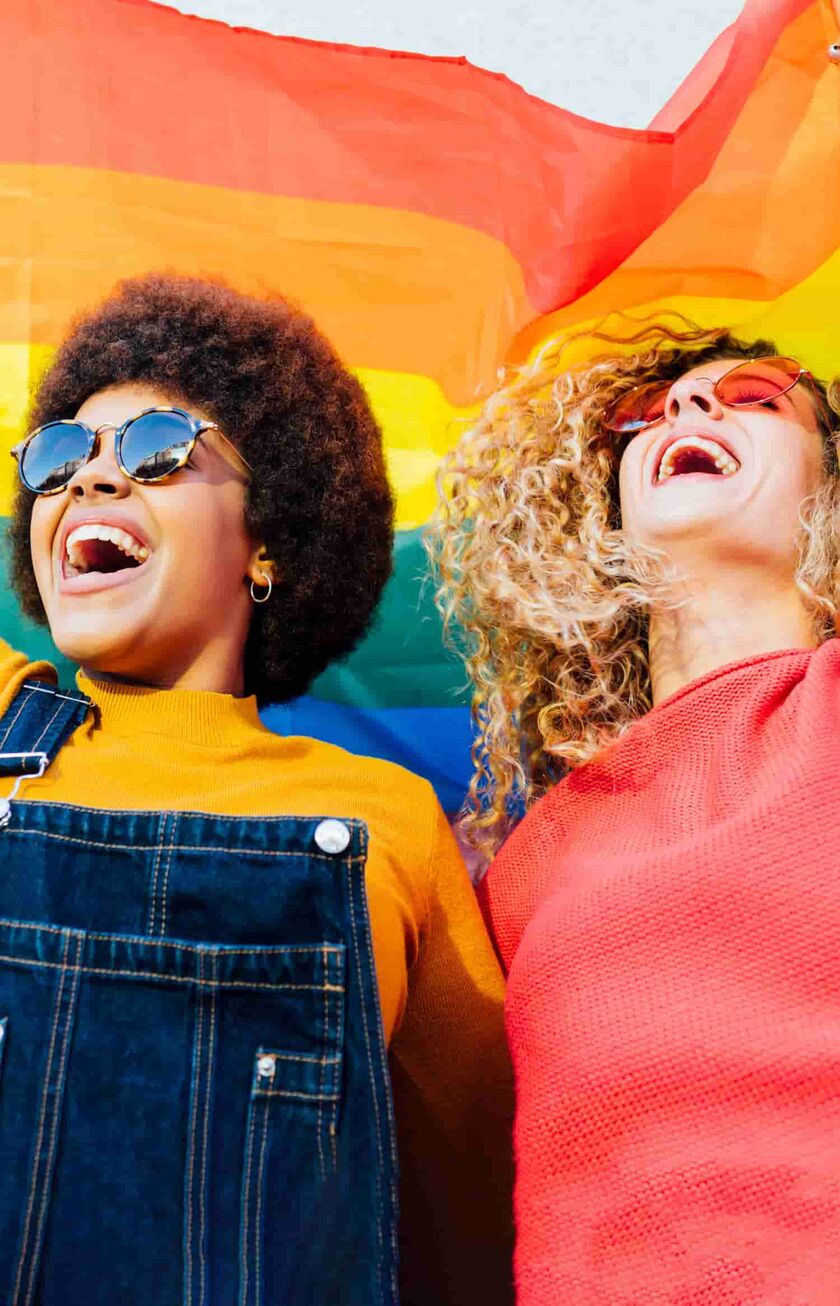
(139, 88)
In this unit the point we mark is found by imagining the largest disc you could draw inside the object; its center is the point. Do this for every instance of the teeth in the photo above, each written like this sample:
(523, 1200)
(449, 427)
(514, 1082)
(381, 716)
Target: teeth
(721, 457)
(96, 531)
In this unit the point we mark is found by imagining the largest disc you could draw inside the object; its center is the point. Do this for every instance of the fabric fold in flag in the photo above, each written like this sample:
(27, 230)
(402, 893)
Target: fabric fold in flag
(436, 220)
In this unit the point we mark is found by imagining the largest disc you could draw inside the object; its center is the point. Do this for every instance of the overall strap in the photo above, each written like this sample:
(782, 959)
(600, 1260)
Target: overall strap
(39, 720)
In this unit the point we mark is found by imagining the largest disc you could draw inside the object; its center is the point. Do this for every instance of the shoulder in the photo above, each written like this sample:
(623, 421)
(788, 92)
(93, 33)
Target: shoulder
(515, 881)
(413, 859)
(15, 668)
(346, 744)
(373, 775)
(825, 661)
(400, 808)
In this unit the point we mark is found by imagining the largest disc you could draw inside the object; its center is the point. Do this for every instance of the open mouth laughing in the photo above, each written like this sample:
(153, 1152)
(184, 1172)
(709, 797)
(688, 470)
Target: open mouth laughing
(101, 548)
(95, 554)
(692, 455)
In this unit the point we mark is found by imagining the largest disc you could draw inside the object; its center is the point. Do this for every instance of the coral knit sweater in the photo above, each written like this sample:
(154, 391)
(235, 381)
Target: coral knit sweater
(670, 918)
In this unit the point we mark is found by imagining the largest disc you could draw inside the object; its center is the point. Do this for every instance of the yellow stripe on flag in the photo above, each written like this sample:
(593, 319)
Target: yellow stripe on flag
(419, 426)
(418, 423)
(20, 367)
(803, 321)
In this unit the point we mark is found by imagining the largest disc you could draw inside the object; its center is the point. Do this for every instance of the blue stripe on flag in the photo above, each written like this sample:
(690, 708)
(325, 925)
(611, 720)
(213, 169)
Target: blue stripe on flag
(432, 741)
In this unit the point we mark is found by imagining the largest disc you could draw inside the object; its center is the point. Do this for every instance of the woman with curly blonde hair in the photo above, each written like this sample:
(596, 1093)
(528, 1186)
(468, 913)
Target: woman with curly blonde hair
(641, 553)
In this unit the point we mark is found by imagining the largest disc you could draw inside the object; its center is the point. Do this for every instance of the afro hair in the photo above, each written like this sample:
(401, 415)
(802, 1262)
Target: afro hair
(319, 498)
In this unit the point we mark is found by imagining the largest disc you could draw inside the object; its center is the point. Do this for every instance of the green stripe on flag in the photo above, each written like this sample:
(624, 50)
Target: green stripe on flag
(401, 663)
(18, 630)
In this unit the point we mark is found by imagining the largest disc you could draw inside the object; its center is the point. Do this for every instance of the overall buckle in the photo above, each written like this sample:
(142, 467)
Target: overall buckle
(29, 766)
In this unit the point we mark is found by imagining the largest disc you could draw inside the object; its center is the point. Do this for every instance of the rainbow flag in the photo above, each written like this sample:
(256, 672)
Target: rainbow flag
(434, 218)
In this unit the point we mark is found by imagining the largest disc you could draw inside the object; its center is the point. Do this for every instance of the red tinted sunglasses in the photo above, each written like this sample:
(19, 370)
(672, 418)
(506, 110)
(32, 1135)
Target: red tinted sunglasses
(755, 381)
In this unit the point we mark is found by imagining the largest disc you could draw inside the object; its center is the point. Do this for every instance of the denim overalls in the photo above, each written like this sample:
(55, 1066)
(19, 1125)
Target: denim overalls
(195, 1107)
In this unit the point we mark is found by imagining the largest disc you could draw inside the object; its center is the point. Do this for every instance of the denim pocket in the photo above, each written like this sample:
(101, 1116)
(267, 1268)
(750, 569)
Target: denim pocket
(290, 1150)
(311, 1085)
(133, 1086)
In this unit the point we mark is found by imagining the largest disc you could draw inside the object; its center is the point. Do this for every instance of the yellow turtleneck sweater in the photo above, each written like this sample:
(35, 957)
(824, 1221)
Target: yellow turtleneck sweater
(440, 986)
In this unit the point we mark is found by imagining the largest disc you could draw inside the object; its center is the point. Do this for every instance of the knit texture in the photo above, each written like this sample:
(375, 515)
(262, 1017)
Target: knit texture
(670, 918)
(440, 985)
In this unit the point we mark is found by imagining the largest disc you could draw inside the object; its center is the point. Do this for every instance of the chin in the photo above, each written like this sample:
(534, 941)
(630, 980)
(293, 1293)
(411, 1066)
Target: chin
(94, 644)
(691, 525)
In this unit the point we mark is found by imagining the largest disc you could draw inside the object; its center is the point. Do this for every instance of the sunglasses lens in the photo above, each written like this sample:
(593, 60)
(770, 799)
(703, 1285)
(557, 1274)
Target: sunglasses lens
(757, 381)
(53, 456)
(155, 444)
(640, 407)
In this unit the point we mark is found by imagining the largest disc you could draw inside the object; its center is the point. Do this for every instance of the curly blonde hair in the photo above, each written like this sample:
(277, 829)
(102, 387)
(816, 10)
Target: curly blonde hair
(544, 596)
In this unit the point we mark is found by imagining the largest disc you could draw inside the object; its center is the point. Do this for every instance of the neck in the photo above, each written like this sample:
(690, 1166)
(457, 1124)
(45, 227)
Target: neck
(724, 617)
(217, 667)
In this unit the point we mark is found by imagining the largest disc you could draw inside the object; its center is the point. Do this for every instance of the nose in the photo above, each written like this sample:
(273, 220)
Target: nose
(101, 475)
(693, 394)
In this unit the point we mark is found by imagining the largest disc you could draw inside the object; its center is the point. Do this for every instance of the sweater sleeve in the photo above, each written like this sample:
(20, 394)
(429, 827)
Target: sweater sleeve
(453, 1093)
(14, 669)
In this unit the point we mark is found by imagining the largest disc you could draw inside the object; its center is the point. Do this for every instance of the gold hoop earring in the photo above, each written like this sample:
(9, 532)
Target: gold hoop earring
(267, 595)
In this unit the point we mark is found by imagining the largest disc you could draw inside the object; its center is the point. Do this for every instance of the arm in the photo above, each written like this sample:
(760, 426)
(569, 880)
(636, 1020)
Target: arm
(453, 1092)
(513, 887)
(14, 669)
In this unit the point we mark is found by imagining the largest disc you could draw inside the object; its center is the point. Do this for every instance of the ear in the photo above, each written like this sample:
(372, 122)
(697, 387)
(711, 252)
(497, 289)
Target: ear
(261, 566)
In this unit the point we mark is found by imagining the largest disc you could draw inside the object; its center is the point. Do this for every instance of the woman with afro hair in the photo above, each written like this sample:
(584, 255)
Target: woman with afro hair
(213, 939)
(642, 549)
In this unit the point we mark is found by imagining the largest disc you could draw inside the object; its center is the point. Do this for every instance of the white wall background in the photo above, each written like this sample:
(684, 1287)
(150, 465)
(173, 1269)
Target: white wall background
(614, 60)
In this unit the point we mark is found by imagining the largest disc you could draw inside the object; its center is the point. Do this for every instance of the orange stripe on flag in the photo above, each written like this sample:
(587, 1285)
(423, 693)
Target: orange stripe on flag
(396, 291)
(767, 217)
(100, 84)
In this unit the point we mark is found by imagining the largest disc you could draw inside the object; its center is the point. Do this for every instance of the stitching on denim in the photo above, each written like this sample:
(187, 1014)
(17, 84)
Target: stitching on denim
(321, 1162)
(172, 979)
(290, 1056)
(25, 697)
(385, 1082)
(208, 1071)
(47, 929)
(223, 950)
(335, 949)
(258, 1212)
(371, 1076)
(335, 1081)
(162, 825)
(194, 1084)
(38, 741)
(46, 1183)
(298, 1095)
(384, 1079)
(246, 1205)
(36, 1157)
(164, 892)
(180, 848)
(56, 693)
(219, 816)
(333, 1134)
